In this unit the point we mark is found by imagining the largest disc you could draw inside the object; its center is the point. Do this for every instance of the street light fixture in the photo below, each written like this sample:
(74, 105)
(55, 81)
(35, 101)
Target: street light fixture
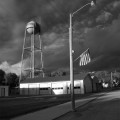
(92, 3)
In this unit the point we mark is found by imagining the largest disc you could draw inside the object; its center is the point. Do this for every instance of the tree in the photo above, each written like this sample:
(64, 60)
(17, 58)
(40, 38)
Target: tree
(2, 77)
(12, 79)
(58, 73)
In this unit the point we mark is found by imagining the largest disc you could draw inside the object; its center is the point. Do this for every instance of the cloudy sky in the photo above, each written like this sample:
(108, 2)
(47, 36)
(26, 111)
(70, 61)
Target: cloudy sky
(97, 28)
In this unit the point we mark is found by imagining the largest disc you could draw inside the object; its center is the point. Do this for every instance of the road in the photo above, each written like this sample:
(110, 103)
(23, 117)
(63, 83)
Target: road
(105, 107)
(15, 106)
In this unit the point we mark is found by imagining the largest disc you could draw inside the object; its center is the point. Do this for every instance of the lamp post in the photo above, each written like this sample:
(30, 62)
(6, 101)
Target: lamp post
(71, 52)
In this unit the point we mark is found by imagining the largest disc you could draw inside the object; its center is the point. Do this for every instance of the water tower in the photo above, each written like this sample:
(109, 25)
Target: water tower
(32, 46)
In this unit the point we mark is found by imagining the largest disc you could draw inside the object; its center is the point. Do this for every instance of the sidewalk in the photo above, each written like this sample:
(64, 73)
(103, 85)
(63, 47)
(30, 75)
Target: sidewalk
(53, 112)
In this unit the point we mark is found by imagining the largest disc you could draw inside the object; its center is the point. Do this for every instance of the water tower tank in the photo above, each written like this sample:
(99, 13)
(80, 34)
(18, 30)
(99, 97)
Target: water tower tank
(33, 27)
(30, 27)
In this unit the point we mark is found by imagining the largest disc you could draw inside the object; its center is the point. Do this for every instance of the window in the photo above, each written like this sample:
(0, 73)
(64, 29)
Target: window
(57, 88)
(43, 88)
(77, 87)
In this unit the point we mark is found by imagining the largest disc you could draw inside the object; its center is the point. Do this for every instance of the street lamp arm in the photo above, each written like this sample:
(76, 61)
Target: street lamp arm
(81, 8)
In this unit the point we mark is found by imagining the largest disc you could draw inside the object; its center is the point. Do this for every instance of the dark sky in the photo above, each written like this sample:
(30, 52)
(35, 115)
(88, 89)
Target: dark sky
(97, 28)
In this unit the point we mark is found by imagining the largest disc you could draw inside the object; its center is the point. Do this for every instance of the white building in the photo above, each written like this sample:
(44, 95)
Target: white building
(56, 85)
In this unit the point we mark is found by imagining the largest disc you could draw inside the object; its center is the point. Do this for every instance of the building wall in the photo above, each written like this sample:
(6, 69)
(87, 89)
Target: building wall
(60, 87)
(4, 91)
(65, 88)
(24, 89)
(57, 87)
(87, 84)
(95, 84)
(91, 84)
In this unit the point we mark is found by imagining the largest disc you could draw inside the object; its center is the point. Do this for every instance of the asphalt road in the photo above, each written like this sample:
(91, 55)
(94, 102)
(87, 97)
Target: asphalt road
(15, 106)
(105, 107)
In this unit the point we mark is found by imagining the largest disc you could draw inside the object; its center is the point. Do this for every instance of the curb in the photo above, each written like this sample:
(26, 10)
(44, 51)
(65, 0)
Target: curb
(75, 108)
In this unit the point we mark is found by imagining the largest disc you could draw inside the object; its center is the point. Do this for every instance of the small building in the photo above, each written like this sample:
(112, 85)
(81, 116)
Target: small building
(4, 91)
(56, 85)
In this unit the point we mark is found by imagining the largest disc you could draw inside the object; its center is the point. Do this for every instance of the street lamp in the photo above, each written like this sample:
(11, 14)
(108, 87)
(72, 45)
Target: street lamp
(92, 3)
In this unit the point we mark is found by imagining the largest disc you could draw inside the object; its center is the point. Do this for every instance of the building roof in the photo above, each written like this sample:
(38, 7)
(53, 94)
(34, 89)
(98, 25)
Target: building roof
(53, 79)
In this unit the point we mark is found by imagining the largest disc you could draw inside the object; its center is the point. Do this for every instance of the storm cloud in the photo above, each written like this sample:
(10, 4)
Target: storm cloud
(97, 28)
